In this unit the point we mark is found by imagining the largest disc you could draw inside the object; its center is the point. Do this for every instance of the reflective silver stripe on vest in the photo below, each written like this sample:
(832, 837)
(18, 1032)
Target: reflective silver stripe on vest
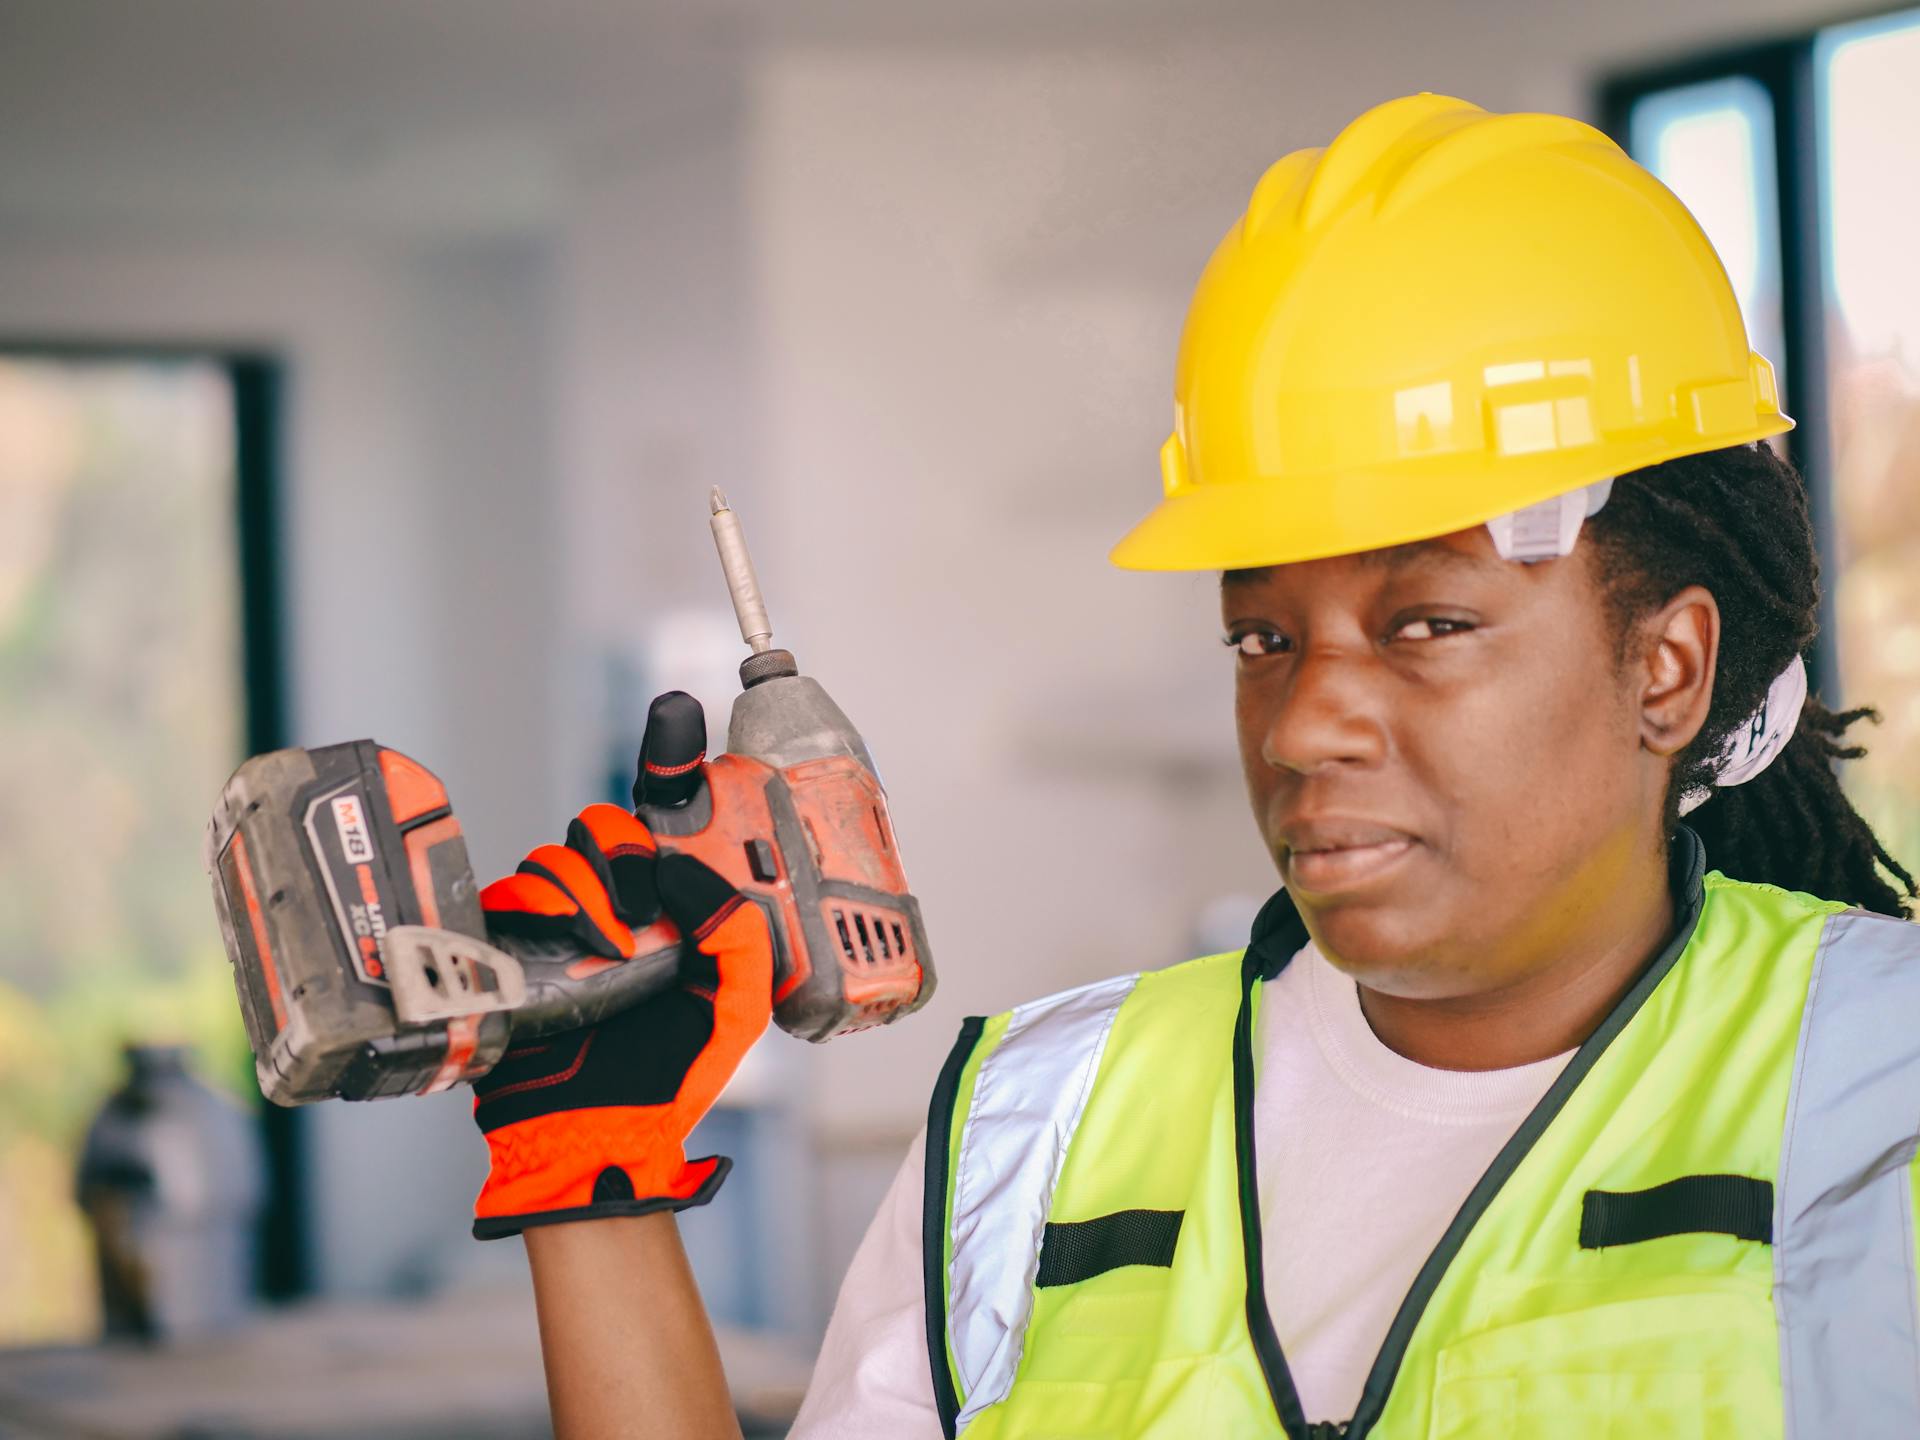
(1843, 1261)
(1027, 1102)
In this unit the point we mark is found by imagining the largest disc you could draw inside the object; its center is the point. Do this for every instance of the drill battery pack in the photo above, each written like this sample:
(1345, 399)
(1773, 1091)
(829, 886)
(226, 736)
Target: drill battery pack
(316, 856)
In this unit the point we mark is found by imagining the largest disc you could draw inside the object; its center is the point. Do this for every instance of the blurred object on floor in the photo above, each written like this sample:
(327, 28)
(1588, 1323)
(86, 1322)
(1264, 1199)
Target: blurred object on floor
(462, 1366)
(171, 1180)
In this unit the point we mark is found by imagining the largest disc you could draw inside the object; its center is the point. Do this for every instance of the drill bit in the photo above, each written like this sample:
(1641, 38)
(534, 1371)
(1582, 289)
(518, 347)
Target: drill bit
(748, 608)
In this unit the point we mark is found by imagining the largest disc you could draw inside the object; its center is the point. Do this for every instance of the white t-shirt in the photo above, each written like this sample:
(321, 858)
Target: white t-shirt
(1332, 1107)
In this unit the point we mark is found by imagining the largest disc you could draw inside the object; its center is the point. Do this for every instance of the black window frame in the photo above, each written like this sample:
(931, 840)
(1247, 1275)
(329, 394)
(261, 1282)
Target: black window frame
(1784, 70)
(1784, 67)
(258, 379)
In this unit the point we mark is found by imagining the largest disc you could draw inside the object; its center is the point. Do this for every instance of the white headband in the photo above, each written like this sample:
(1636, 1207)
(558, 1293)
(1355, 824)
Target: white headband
(1756, 744)
(1548, 529)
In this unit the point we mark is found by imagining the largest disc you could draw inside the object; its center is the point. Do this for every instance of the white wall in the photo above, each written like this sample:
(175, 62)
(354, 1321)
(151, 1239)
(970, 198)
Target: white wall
(972, 268)
(657, 370)
(906, 284)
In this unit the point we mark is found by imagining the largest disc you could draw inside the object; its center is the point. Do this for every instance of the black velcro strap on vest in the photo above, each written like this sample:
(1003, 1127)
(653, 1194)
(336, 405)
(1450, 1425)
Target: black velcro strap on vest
(1081, 1249)
(1735, 1205)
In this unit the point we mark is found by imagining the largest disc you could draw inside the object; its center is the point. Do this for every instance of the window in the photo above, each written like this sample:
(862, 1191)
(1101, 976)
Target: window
(1713, 146)
(1868, 118)
(133, 674)
(1797, 157)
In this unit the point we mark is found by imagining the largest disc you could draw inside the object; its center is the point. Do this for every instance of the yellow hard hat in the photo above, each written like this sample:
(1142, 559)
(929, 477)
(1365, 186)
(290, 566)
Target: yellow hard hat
(1442, 318)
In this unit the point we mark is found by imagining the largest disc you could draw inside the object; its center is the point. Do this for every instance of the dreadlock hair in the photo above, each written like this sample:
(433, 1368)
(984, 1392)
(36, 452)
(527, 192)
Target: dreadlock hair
(1735, 522)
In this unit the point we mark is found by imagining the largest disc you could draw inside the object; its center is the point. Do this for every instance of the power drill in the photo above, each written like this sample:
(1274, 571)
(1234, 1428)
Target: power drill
(360, 951)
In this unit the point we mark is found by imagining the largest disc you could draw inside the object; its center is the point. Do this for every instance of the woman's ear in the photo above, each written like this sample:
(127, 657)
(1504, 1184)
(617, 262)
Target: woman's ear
(1680, 648)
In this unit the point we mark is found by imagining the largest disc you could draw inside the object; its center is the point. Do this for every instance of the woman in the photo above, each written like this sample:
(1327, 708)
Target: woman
(1512, 1118)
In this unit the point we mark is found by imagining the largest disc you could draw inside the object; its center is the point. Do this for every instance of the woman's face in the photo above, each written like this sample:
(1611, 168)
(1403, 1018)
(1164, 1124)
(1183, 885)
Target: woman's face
(1453, 768)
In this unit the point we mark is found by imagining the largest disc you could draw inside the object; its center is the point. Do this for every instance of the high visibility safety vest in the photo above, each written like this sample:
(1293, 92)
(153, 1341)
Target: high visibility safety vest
(1705, 1229)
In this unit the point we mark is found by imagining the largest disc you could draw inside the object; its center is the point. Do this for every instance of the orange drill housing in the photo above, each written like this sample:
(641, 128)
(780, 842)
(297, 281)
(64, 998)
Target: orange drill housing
(846, 929)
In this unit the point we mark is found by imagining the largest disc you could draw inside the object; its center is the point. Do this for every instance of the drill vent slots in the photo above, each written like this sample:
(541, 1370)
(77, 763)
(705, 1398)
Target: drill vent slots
(875, 943)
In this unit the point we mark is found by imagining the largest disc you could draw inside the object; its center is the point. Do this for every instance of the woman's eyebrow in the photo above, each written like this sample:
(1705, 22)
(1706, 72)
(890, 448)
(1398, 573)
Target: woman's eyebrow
(1411, 555)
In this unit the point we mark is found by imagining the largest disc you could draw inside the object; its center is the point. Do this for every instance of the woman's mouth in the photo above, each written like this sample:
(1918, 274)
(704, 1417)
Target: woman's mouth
(1327, 857)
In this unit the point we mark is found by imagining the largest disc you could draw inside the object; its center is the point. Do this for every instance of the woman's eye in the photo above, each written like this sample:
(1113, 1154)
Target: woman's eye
(1430, 627)
(1257, 644)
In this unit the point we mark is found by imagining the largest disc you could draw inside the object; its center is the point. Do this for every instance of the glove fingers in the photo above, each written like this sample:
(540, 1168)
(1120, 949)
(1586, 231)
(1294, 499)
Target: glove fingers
(531, 897)
(672, 750)
(573, 874)
(621, 851)
(531, 905)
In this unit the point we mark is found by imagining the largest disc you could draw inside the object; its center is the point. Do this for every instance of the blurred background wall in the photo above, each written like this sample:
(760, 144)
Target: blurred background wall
(905, 279)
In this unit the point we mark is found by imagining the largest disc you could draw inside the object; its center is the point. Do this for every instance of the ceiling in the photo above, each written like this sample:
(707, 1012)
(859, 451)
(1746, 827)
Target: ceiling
(473, 116)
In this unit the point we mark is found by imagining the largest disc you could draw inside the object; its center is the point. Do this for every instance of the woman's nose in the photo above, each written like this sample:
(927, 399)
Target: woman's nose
(1325, 715)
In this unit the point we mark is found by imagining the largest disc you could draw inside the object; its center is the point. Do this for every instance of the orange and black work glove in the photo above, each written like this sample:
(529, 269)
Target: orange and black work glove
(593, 1122)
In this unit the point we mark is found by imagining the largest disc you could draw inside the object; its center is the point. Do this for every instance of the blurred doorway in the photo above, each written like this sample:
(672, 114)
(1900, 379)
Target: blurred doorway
(137, 665)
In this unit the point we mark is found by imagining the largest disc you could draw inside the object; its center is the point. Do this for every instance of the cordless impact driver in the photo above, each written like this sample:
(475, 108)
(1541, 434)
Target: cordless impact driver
(361, 955)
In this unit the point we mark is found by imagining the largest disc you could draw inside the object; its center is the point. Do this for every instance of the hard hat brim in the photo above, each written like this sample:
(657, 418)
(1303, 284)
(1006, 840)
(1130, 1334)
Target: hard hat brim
(1246, 525)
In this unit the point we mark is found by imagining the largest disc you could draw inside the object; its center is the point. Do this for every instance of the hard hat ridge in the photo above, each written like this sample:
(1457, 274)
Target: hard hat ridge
(1366, 159)
(1474, 138)
(1278, 193)
(1394, 153)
